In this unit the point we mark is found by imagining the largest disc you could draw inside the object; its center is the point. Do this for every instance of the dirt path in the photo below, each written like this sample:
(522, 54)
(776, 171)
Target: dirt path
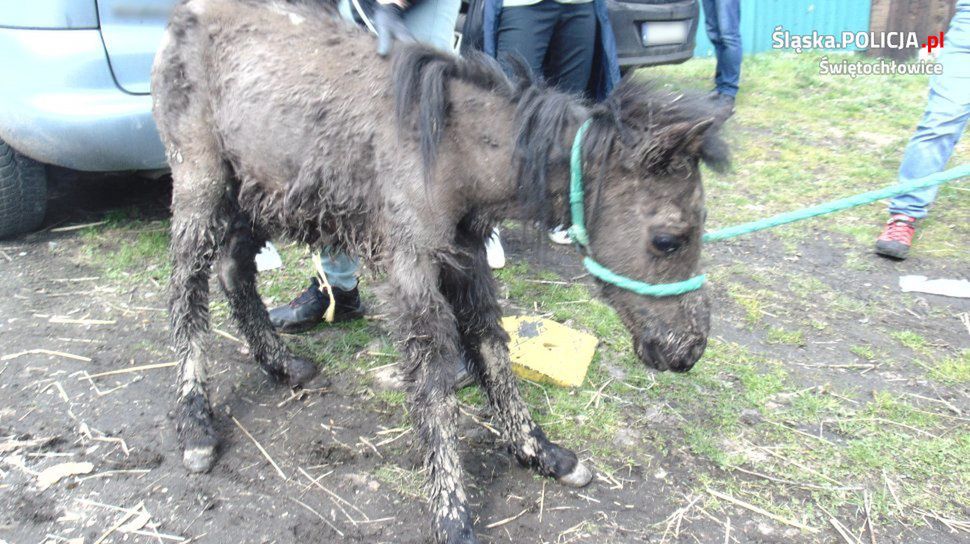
(353, 440)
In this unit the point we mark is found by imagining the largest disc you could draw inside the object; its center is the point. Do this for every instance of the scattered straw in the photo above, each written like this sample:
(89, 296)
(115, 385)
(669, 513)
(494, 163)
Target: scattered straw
(225, 334)
(501, 522)
(955, 525)
(124, 519)
(71, 321)
(46, 352)
(110, 473)
(261, 449)
(843, 531)
(323, 519)
(337, 498)
(675, 520)
(542, 500)
(127, 370)
(867, 502)
(78, 227)
(763, 512)
(371, 446)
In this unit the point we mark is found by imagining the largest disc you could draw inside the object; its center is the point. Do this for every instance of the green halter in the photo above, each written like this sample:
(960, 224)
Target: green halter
(578, 234)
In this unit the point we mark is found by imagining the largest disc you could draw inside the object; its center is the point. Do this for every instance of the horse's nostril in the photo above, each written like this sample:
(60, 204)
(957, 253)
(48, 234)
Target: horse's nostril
(667, 243)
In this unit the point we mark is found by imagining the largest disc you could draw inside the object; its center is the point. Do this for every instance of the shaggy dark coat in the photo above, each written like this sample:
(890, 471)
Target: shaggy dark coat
(280, 121)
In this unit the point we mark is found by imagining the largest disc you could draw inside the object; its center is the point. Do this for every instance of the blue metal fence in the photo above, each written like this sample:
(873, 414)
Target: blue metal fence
(760, 17)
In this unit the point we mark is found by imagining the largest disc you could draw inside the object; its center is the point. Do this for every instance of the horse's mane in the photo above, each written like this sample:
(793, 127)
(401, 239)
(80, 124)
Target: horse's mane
(421, 75)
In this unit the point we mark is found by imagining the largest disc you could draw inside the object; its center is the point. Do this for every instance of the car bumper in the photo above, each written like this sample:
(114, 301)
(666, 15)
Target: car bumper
(59, 104)
(627, 19)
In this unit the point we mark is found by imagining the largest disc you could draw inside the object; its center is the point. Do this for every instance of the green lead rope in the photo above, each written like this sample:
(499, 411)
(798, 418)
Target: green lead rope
(940, 178)
(579, 235)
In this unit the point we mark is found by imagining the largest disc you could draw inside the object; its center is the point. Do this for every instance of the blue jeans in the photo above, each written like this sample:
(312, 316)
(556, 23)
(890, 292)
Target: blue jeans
(946, 115)
(723, 18)
(431, 22)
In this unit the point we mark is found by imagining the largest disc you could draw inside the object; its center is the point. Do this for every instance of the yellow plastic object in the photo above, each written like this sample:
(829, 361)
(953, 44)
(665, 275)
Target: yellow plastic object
(546, 351)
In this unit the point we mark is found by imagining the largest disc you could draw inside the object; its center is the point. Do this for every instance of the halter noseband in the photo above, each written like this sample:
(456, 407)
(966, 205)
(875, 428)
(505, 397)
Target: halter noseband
(579, 236)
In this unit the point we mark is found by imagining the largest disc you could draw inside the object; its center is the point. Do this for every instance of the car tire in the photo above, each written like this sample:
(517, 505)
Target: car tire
(23, 192)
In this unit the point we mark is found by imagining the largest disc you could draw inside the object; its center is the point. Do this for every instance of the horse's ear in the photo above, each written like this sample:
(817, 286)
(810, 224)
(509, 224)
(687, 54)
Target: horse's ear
(683, 138)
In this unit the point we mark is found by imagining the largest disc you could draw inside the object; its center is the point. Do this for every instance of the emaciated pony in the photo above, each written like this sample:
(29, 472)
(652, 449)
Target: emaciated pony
(280, 121)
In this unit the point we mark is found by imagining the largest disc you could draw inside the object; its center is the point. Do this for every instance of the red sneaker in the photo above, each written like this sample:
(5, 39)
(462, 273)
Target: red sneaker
(897, 237)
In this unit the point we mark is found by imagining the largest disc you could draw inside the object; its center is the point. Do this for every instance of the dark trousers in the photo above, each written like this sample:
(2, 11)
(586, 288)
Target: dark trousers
(558, 41)
(723, 19)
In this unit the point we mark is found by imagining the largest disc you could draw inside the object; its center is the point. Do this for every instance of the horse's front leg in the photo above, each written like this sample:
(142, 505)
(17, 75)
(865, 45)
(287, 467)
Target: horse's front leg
(428, 337)
(237, 276)
(472, 291)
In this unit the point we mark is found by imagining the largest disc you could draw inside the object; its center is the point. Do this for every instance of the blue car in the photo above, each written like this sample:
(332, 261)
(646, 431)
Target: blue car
(74, 93)
(74, 86)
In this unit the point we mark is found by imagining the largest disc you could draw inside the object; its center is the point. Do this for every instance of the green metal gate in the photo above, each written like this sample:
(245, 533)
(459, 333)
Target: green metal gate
(759, 19)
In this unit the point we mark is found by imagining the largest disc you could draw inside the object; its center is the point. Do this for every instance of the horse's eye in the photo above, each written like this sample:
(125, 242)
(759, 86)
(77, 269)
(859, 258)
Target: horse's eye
(667, 243)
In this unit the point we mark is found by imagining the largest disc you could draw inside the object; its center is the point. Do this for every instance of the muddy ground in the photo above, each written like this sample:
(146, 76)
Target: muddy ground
(346, 436)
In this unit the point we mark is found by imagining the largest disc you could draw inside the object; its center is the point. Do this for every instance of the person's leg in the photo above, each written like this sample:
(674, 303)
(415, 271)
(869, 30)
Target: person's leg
(433, 22)
(526, 31)
(945, 117)
(928, 152)
(728, 46)
(310, 307)
(340, 269)
(569, 61)
(929, 149)
(713, 34)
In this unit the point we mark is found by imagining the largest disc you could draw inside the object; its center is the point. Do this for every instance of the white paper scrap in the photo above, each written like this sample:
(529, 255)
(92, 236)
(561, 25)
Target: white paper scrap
(945, 287)
(268, 258)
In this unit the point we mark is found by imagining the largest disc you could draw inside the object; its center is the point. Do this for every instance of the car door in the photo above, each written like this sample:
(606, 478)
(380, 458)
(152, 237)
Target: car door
(132, 31)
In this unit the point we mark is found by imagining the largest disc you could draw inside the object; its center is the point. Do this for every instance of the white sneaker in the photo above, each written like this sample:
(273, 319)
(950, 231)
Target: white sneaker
(494, 251)
(560, 235)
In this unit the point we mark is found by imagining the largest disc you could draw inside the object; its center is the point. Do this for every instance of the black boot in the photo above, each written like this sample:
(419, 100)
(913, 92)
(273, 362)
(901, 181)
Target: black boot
(349, 305)
(306, 310)
(724, 103)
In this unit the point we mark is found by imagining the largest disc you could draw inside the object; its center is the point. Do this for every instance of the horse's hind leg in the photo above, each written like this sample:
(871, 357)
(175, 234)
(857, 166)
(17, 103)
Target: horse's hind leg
(199, 220)
(472, 292)
(428, 337)
(237, 276)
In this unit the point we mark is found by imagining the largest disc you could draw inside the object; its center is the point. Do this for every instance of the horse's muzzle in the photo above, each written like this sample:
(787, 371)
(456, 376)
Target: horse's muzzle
(675, 354)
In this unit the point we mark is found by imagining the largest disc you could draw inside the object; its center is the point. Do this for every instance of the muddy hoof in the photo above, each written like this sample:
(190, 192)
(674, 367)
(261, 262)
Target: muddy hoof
(199, 459)
(457, 531)
(300, 371)
(579, 477)
(468, 538)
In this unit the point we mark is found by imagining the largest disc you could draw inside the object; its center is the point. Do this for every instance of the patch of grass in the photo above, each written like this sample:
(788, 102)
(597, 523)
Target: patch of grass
(573, 418)
(813, 406)
(807, 287)
(406, 482)
(864, 352)
(829, 138)
(751, 301)
(818, 325)
(953, 369)
(335, 345)
(135, 252)
(778, 335)
(391, 397)
(911, 340)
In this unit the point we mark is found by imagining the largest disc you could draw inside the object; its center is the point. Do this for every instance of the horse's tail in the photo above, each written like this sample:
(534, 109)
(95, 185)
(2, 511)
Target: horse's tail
(421, 75)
